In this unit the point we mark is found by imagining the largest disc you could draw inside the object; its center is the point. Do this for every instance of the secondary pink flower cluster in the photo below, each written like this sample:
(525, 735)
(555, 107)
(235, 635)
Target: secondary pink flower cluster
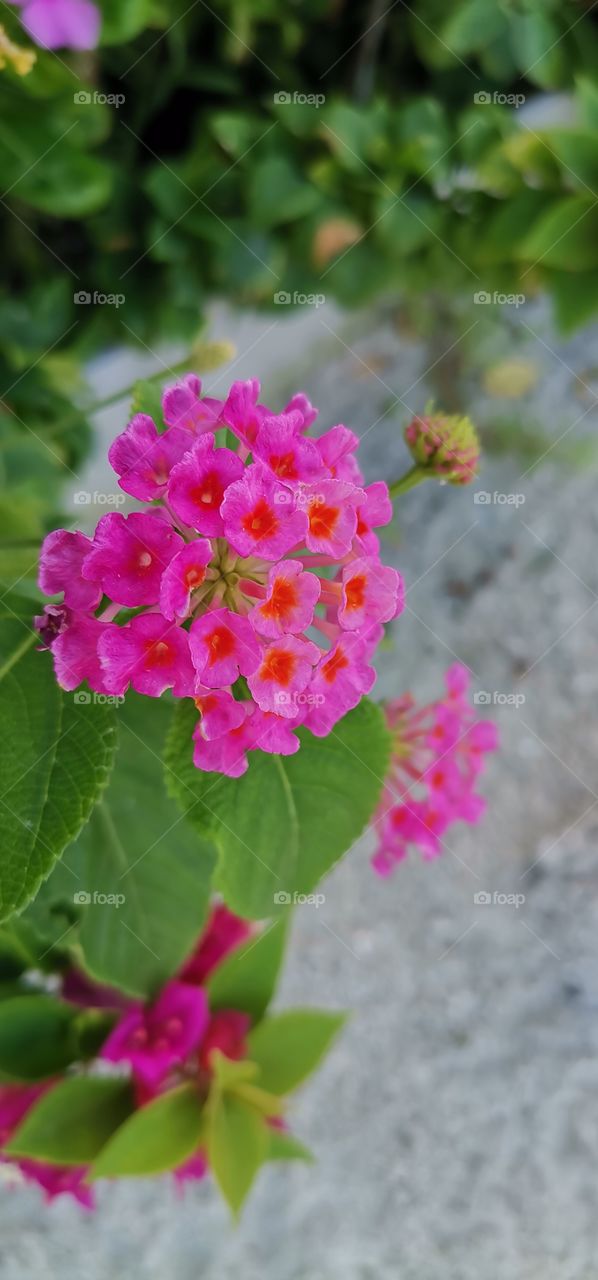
(163, 1044)
(244, 552)
(59, 24)
(437, 756)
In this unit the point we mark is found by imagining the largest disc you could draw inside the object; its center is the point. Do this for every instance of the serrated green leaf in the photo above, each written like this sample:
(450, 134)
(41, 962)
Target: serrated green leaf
(158, 1137)
(283, 1146)
(138, 848)
(288, 1046)
(285, 823)
(71, 1123)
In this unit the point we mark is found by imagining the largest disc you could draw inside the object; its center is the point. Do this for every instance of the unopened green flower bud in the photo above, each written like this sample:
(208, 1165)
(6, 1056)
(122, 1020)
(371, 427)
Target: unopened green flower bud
(445, 445)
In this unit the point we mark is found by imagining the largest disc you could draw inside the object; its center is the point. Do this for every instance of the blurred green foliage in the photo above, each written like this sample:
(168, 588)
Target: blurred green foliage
(246, 148)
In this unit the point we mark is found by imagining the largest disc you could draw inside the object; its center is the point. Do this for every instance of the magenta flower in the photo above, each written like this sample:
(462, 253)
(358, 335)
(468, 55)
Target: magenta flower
(438, 754)
(155, 1038)
(143, 459)
(61, 24)
(183, 406)
(291, 597)
(223, 932)
(198, 485)
(227, 1033)
(149, 654)
(185, 574)
(247, 558)
(129, 556)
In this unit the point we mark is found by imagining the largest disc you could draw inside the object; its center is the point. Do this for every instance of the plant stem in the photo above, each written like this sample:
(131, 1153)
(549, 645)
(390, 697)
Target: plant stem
(408, 481)
(108, 401)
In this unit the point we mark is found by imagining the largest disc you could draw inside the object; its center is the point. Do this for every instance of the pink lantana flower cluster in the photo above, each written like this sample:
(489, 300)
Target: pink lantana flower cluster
(61, 24)
(253, 584)
(160, 1045)
(438, 752)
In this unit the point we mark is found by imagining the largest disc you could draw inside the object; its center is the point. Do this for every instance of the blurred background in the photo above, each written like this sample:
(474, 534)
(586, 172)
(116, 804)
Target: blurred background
(384, 207)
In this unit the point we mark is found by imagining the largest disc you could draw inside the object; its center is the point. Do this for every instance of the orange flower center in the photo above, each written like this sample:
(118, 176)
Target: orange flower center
(284, 465)
(322, 519)
(261, 522)
(221, 643)
(279, 666)
(194, 576)
(208, 494)
(334, 665)
(159, 653)
(355, 591)
(283, 600)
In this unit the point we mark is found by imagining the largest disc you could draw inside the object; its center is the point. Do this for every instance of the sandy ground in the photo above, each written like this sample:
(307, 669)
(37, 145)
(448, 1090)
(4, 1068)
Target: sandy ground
(456, 1122)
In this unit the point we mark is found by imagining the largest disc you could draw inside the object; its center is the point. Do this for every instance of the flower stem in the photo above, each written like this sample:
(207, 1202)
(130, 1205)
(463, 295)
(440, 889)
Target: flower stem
(408, 481)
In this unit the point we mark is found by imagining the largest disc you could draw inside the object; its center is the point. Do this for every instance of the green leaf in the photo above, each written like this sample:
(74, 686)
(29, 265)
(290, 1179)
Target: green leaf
(246, 979)
(237, 1142)
(55, 757)
(122, 20)
(318, 802)
(138, 848)
(566, 236)
(147, 398)
(37, 1037)
(158, 1137)
(283, 1146)
(288, 1046)
(71, 1123)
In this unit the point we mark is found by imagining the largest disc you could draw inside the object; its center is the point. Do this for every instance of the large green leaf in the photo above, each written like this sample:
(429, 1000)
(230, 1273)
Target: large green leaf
(55, 756)
(288, 1046)
(158, 1137)
(246, 979)
(144, 874)
(285, 823)
(38, 1037)
(566, 236)
(71, 1123)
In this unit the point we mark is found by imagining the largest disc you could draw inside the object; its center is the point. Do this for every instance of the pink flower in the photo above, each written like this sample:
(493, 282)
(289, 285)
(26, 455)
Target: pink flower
(244, 554)
(438, 754)
(241, 411)
(341, 678)
(182, 406)
(284, 672)
(371, 592)
(218, 710)
(57, 24)
(227, 753)
(198, 485)
(337, 451)
(75, 654)
(227, 1033)
(15, 1101)
(144, 459)
(155, 1038)
(291, 598)
(185, 574)
(260, 517)
(331, 507)
(129, 555)
(223, 646)
(289, 456)
(59, 1180)
(375, 511)
(148, 653)
(223, 932)
(60, 569)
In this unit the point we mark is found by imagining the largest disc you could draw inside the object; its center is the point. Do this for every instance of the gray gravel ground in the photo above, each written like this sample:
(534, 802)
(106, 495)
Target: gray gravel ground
(456, 1122)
